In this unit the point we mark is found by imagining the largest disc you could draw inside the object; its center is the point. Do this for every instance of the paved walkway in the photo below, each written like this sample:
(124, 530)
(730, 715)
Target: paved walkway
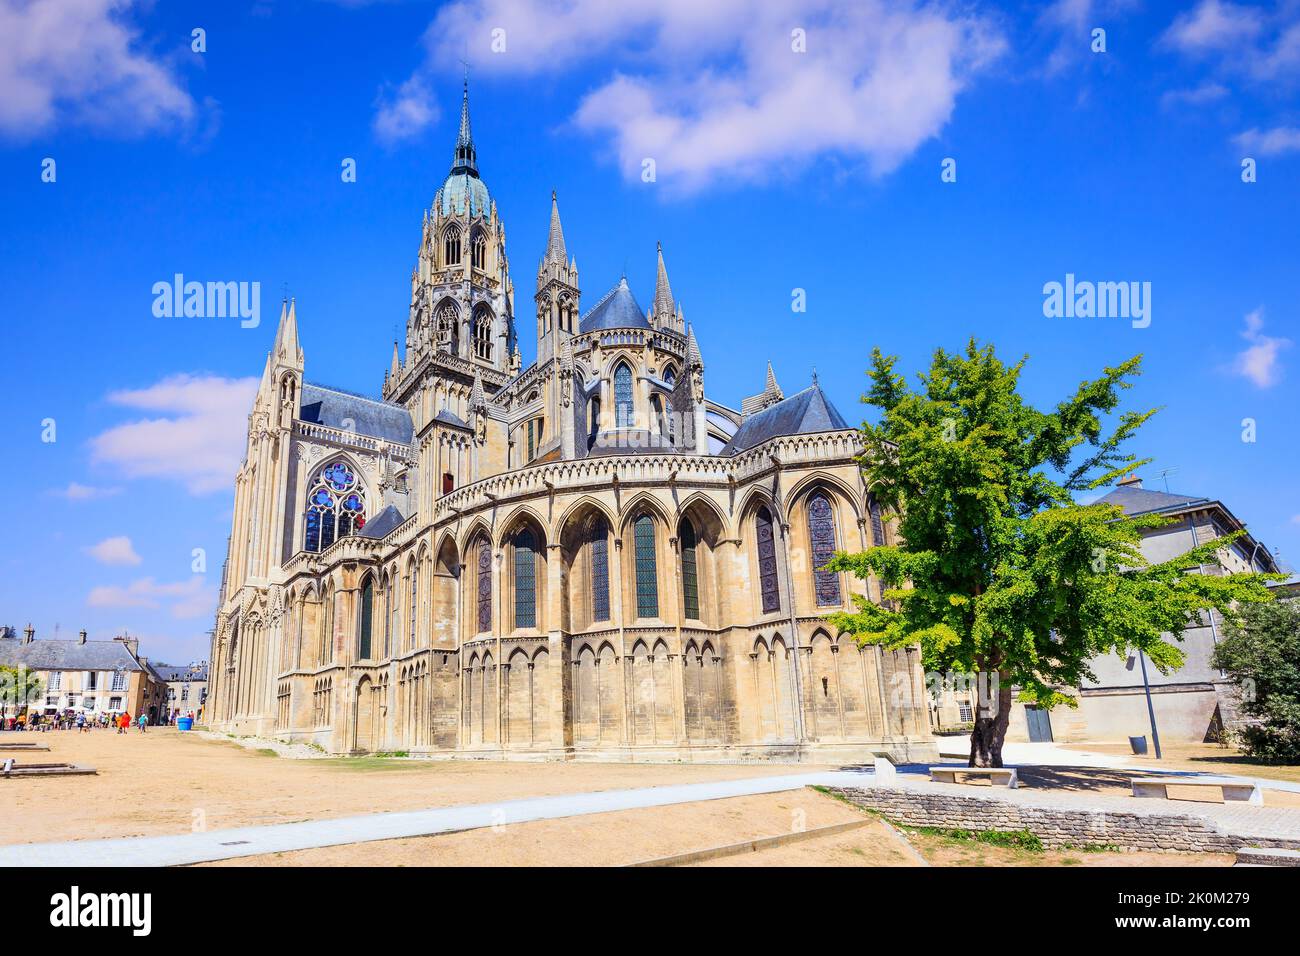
(278, 838)
(1054, 755)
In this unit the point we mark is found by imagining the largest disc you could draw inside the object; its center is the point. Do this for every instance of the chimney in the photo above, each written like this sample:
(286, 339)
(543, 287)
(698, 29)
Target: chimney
(132, 643)
(81, 638)
(29, 634)
(1131, 480)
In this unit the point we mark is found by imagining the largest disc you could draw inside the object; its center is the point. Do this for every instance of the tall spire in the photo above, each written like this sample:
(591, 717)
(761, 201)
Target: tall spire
(465, 161)
(662, 310)
(286, 350)
(555, 251)
(693, 356)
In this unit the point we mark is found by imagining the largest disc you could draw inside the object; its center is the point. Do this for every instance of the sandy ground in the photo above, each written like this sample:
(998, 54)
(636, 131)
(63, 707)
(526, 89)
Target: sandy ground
(620, 838)
(164, 781)
(1205, 758)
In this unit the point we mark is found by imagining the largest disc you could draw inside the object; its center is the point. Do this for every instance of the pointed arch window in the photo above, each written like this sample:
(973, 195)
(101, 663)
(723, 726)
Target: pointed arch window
(877, 521)
(767, 578)
(483, 336)
(647, 570)
(367, 619)
(451, 246)
(821, 529)
(598, 548)
(484, 578)
(413, 579)
(525, 579)
(623, 407)
(690, 570)
(336, 506)
(447, 324)
(670, 375)
(478, 251)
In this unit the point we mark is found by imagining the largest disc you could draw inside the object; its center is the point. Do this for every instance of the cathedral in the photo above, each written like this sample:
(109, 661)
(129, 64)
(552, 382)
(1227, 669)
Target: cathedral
(584, 558)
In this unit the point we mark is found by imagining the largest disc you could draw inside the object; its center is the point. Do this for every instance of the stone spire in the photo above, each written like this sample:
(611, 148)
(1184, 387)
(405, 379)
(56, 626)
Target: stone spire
(476, 397)
(662, 312)
(555, 252)
(465, 159)
(286, 350)
(771, 380)
(693, 356)
(770, 395)
(396, 367)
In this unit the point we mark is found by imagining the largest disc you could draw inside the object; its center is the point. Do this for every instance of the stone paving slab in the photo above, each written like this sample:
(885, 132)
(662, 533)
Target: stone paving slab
(1237, 819)
(278, 838)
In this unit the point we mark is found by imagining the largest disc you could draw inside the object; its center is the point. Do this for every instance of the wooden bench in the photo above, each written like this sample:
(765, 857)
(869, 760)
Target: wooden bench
(1242, 790)
(998, 776)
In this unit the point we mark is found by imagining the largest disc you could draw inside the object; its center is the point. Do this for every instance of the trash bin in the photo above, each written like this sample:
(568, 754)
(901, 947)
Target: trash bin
(1139, 745)
(185, 723)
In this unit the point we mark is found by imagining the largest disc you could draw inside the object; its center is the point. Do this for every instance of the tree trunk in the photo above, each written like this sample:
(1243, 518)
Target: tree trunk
(992, 712)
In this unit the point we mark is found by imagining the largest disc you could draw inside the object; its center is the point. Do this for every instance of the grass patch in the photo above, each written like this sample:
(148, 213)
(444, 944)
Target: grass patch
(266, 752)
(373, 762)
(1009, 839)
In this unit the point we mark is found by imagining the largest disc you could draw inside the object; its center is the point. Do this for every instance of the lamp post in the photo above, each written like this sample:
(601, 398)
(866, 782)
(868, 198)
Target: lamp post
(1151, 711)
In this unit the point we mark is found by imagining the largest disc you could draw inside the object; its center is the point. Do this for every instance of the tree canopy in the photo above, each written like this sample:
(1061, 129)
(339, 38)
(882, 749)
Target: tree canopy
(998, 570)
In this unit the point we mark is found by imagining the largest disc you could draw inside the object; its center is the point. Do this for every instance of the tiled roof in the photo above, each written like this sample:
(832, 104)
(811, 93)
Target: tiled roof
(802, 413)
(617, 309)
(1140, 501)
(382, 523)
(68, 655)
(365, 416)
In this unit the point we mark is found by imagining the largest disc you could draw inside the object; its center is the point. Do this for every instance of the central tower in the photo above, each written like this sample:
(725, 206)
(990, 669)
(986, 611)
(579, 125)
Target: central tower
(462, 300)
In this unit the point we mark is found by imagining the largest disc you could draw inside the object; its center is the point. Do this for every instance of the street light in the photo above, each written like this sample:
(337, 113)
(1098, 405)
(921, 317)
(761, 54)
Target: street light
(1146, 687)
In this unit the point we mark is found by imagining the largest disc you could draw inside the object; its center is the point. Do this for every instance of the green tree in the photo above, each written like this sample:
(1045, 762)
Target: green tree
(1261, 654)
(999, 572)
(19, 687)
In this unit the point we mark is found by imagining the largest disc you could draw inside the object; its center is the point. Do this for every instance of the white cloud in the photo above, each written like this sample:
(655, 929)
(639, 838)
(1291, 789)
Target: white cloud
(79, 492)
(1259, 360)
(1254, 44)
(1269, 142)
(713, 91)
(76, 61)
(1214, 26)
(1196, 96)
(406, 113)
(114, 551)
(185, 599)
(199, 439)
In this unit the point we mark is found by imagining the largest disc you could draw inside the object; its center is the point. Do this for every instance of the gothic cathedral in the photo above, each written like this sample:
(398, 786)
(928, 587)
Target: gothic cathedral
(586, 558)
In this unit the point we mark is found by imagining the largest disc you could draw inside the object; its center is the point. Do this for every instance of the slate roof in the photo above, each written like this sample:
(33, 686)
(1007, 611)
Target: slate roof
(368, 416)
(68, 655)
(448, 417)
(802, 413)
(1140, 501)
(382, 523)
(617, 309)
(172, 672)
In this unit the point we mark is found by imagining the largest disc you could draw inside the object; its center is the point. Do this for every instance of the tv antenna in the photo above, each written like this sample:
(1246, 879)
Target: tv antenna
(1164, 474)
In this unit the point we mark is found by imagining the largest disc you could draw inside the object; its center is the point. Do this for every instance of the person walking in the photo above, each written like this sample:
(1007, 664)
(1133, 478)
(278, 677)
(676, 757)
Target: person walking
(143, 722)
(123, 721)
(81, 723)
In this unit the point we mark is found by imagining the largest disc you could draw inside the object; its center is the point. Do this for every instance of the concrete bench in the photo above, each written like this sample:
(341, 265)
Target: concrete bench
(998, 776)
(1241, 790)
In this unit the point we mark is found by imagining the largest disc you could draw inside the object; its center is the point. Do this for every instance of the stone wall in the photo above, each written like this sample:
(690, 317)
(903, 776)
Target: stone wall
(1055, 826)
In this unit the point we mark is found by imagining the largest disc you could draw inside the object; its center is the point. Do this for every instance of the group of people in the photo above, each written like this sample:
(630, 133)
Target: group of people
(75, 720)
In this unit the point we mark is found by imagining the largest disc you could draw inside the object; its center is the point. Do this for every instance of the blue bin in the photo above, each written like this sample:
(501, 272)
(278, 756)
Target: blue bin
(184, 723)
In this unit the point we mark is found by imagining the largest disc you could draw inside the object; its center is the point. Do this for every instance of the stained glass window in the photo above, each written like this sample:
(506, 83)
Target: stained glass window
(690, 571)
(598, 544)
(367, 618)
(877, 521)
(525, 579)
(767, 577)
(336, 506)
(623, 408)
(484, 586)
(821, 528)
(647, 577)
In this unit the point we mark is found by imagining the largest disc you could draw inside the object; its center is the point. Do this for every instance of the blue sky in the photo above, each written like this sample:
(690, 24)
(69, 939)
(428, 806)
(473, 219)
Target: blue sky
(776, 170)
